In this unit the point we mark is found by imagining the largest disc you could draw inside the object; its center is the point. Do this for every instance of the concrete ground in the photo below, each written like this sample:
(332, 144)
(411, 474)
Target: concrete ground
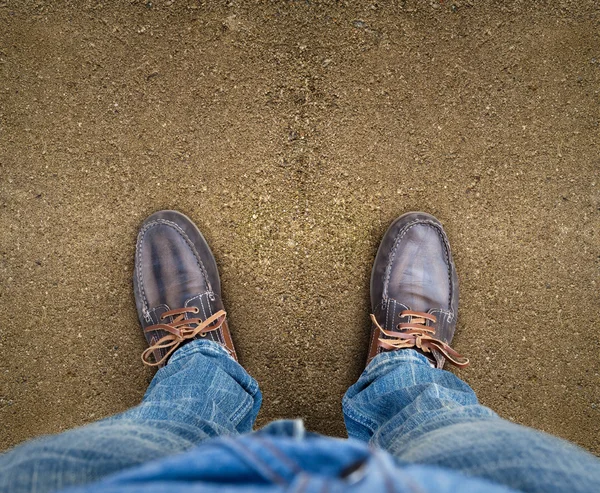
(293, 133)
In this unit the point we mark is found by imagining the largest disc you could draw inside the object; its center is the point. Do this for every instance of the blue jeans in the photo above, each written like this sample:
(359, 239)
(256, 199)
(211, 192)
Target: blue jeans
(426, 418)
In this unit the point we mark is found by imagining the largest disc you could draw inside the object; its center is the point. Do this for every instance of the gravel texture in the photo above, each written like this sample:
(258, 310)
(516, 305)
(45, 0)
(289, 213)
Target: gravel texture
(293, 133)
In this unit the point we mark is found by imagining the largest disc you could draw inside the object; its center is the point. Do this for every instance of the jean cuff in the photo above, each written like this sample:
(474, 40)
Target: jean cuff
(398, 356)
(203, 346)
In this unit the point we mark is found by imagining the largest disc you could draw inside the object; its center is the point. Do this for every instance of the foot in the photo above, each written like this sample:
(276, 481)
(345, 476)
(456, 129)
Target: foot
(414, 291)
(177, 287)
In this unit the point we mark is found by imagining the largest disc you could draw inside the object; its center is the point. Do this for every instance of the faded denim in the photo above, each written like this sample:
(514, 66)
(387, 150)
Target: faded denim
(439, 437)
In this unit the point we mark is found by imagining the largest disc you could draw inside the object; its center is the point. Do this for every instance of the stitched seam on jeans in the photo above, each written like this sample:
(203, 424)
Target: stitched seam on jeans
(359, 417)
(239, 413)
(245, 407)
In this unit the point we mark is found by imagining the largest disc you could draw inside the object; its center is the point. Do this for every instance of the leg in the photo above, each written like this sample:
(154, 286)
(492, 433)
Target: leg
(405, 403)
(201, 393)
(429, 416)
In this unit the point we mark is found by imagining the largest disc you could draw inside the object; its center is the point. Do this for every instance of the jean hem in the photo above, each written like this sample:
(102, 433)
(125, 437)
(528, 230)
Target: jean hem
(204, 346)
(359, 418)
(400, 355)
(382, 359)
(199, 346)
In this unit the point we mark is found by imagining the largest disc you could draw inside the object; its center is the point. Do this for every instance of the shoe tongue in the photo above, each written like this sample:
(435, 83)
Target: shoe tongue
(419, 302)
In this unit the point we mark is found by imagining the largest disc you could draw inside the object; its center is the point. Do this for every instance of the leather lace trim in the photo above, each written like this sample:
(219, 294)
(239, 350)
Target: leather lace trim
(180, 330)
(417, 334)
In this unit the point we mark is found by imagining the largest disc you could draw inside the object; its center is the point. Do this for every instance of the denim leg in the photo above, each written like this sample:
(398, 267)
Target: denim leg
(201, 393)
(429, 416)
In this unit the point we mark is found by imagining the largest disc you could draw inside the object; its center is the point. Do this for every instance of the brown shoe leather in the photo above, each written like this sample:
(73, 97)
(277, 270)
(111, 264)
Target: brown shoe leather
(414, 291)
(177, 287)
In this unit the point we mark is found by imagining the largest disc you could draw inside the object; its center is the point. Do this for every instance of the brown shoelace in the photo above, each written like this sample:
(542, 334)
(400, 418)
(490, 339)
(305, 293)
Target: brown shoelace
(415, 333)
(180, 330)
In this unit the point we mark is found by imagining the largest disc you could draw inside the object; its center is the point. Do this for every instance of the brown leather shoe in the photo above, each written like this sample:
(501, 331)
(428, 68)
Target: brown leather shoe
(414, 291)
(177, 287)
